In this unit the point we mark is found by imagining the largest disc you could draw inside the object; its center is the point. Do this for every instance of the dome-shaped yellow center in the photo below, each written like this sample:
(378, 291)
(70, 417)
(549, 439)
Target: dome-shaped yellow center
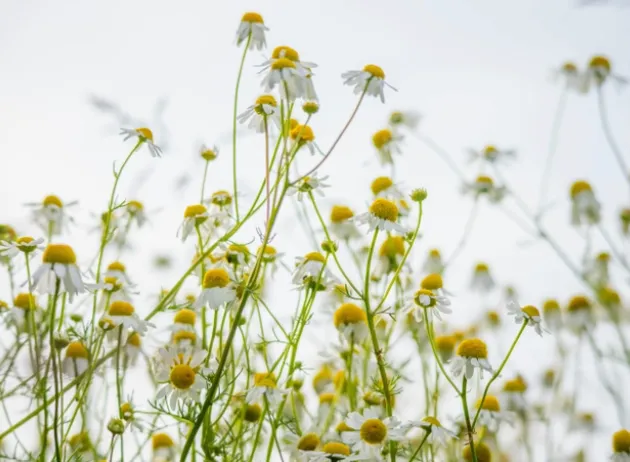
(303, 132)
(322, 377)
(432, 282)
(375, 70)
(134, 339)
(282, 63)
(145, 133)
(334, 447)
(265, 379)
(491, 403)
(343, 427)
(208, 154)
(516, 385)
(579, 303)
(481, 268)
(215, 277)
(484, 181)
(59, 253)
(326, 398)
(24, 301)
(308, 442)
(52, 200)
(381, 138)
(252, 17)
(608, 297)
(182, 335)
(116, 266)
(161, 440)
(435, 253)
(432, 421)
(266, 99)
(392, 246)
(126, 410)
(373, 431)
(569, 67)
(349, 313)
(384, 209)
(314, 256)
(221, 198)
(490, 151)
(185, 316)
(252, 412)
(424, 298)
(135, 206)
(194, 210)
(600, 62)
(551, 306)
(24, 240)
(531, 311)
(340, 213)
(380, 184)
(76, 350)
(473, 348)
(578, 187)
(284, 51)
(482, 451)
(182, 376)
(445, 343)
(120, 308)
(621, 441)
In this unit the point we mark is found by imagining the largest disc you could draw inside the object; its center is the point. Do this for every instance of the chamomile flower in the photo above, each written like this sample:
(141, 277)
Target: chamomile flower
(75, 361)
(123, 314)
(404, 119)
(438, 435)
(334, 451)
(265, 386)
(184, 338)
(263, 113)
(621, 446)
(445, 346)
(434, 283)
(133, 347)
(383, 186)
(484, 186)
(351, 321)
(182, 371)
(118, 270)
(428, 301)
(307, 185)
(390, 255)
(490, 414)
(599, 71)
(597, 270)
(514, 392)
(303, 448)
(59, 269)
(252, 28)
(528, 313)
(184, 319)
(492, 154)
(571, 76)
(580, 313)
(323, 380)
(284, 73)
(222, 201)
(341, 224)
(217, 289)
(471, 354)
(624, 221)
(144, 136)
(382, 215)
(23, 244)
(369, 433)
(309, 268)
(387, 143)
(434, 262)
(195, 217)
(303, 135)
(370, 80)
(585, 209)
(482, 451)
(285, 52)
(25, 311)
(51, 214)
(163, 447)
(552, 314)
(482, 280)
(136, 212)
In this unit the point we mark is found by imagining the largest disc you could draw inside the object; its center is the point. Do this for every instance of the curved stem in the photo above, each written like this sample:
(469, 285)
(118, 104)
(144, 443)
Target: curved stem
(609, 136)
(465, 235)
(435, 353)
(469, 427)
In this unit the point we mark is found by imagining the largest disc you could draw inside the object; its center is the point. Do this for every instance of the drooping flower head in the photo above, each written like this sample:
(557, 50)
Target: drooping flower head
(252, 28)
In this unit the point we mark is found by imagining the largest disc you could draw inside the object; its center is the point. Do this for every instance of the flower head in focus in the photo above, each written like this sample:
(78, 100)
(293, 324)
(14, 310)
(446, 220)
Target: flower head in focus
(144, 136)
(23, 244)
(368, 433)
(382, 215)
(252, 28)
(621, 446)
(351, 321)
(369, 81)
(217, 289)
(528, 313)
(471, 354)
(262, 114)
(195, 218)
(307, 185)
(59, 272)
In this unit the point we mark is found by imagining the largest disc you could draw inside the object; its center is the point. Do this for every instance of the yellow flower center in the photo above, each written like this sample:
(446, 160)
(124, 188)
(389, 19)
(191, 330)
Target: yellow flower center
(266, 99)
(579, 187)
(308, 442)
(265, 379)
(184, 335)
(115, 283)
(381, 138)
(432, 420)
(80, 441)
(339, 379)
(76, 350)
(24, 240)
(323, 377)
(551, 306)
(579, 303)
(208, 154)
(482, 452)
(608, 297)
(621, 441)
(384, 209)
(392, 246)
(373, 431)
(349, 313)
(252, 412)
(310, 107)
(516, 385)
(490, 151)
(120, 308)
(493, 317)
(380, 184)
(375, 70)
(340, 213)
(282, 63)
(24, 301)
(315, 256)
(3, 305)
(334, 447)
(252, 17)
(185, 316)
(326, 398)
(134, 340)
(432, 282)
(145, 134)
(531, 311)
(221, 198)
(182, 376)
(193, 211)
(603, 257)
(59, 253)
(484, 181)
(161, 440)
(116, 266)
(284, 51)
(569, 67)
(445, 343)
(126, 410)
(435, 253)
(600, 62)
(481, 268)
(135, 206)
(343, 427)
(472, 348)
(303, 132)
(491, 403)
(215, 277)
(420, 295)
(52, 200)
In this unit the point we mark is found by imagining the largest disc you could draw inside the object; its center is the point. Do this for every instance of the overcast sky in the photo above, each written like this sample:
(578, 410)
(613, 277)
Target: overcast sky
(478, 70)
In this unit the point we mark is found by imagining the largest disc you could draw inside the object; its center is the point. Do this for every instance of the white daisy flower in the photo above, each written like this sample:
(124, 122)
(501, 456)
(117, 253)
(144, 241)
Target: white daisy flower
(370, 80)
(184, 319)
(599, 71)
(552, 314)
(59, 268)
(265, 386)
(382, 215)
(597, 271)
(303, 448)
(514, 392)
(580, 313)
(484, 186)
(387, 143)
(491, 154)
(490, 413)
(122, 314)
(585, 208)
(181, 369)
(308, 268)
(404, 119)
(163, 448)
(75, 361)
(302, 135)
(285, 52)
(471, 354)
(430, 302)
(308, 184)
(284, 73)
(144, 136)
(24, 244)
(529, 313)
(370, 433)
(52, 214)
(195, 215)
(621, 446)
(351, 321)
(341, 223)
(217, 289)
(482, 280)
(118, 271)
(438, 435)
(434, 262)
(252, 27)
(384, 186)
(133, 347)
(25, 306)
(136, 212)
(264, 112)
(571, 76)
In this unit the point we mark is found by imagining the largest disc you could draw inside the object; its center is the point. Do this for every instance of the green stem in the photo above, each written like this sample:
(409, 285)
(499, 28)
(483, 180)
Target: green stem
(469, 427)
(417, 451)
(427, 327)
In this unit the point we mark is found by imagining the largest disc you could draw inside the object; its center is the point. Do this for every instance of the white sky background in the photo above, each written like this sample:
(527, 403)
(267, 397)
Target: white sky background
(479, 71)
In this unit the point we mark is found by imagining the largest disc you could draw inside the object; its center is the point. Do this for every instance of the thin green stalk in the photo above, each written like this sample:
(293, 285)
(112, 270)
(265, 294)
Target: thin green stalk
(469, 427)
(417, 451)
(427, 327)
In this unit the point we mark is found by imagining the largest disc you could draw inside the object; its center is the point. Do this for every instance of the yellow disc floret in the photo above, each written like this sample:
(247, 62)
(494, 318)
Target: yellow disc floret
(432, 282)
(380, 184)
(308, 442)
(531, 311)
(145, 134)
(265, 379)
(578, 187)
(52, 200)
(392, 246)
(59, 253)
(24, 301)
(314, 256)
(349, 313)
(161, 440)
(482, 452)
(193, 211)
(252, 17)
(384, 209)
(432, 421)
(340, 213)
(373, 431)
(621, 441)
(284, 51)
(445, 343)
(490, 403)
(473, 348)
(182, 376)
(184, 335)
(269, 100)
(551, 306)
(381, 138)
(579, 303)
(76, 350)
(375, 70)
(252, 412)
(600, 62)
(516, 385)
(116, 266)
(302, 132)
(334, 447)
(120, 308)
(134, 339)
(282, 63)
(185, 316)
(215, 277)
